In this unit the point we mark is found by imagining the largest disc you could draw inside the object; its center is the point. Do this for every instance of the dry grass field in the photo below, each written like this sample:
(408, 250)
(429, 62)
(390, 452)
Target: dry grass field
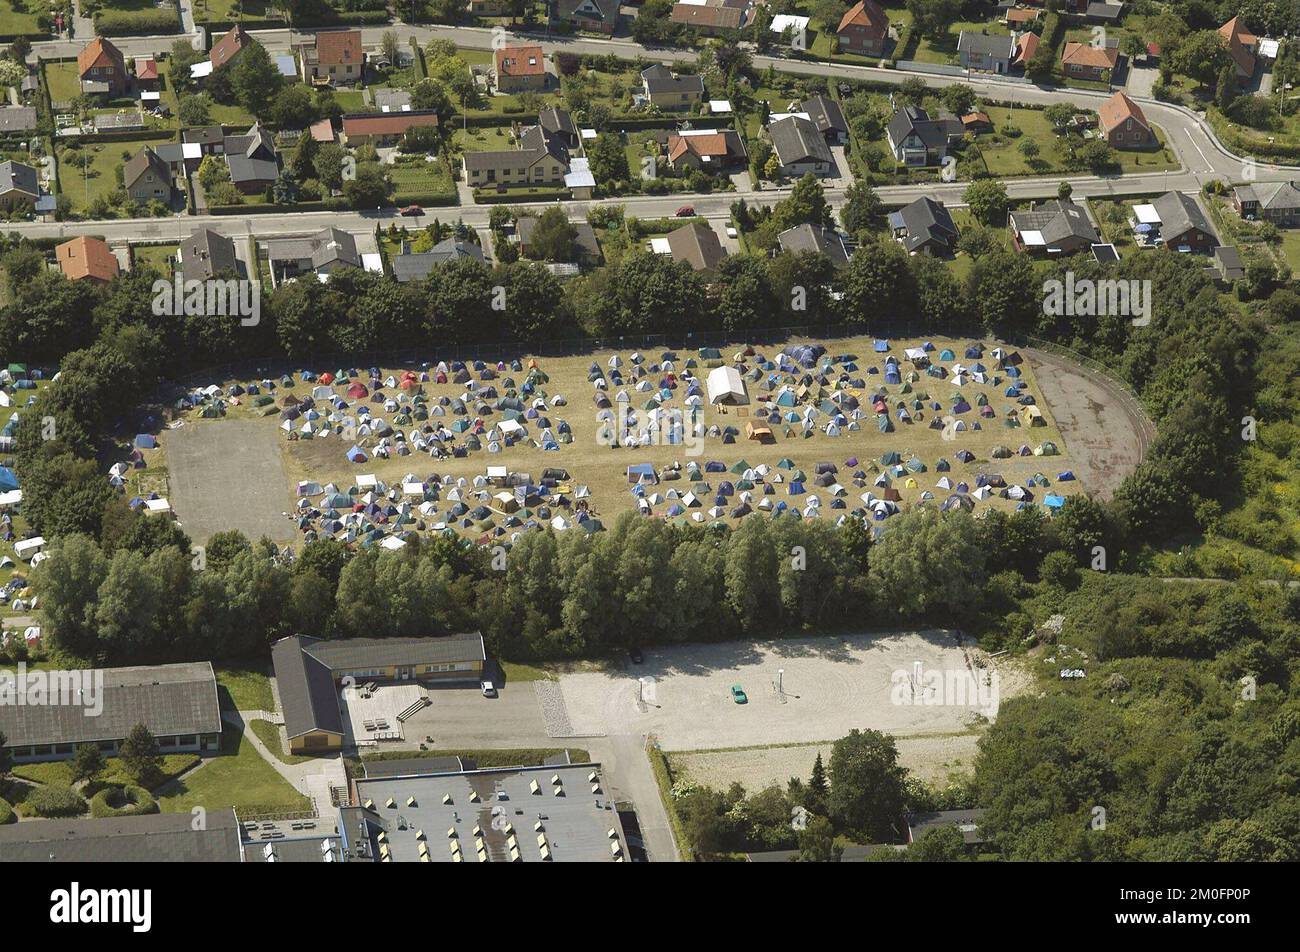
(591, 462)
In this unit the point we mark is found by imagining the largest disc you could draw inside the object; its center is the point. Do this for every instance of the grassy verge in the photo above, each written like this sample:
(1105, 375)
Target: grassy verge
(269, 735)
(244, 689)
(238, 778)
(663, 772)
(489, 757)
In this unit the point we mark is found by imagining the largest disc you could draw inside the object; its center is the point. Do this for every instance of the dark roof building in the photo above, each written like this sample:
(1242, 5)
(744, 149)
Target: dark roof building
(17, 119)
(153, 838)
(206, 254)
(414, 266)
(698, 245)
(967, 821)
(19, 181)
(252, 159)
(828, 117)
(1058, 226)
(558, 122)
(798, 143)
(1182, 222)
(817, 239)
(1227, 265)
(925, 226)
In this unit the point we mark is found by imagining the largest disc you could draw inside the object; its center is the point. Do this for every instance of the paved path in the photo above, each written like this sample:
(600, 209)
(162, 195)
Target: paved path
(628, 776)
(312, 778)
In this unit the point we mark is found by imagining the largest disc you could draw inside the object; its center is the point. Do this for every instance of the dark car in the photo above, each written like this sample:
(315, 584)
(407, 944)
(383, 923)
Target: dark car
(636, 655)
(411, 211)
(686, 211)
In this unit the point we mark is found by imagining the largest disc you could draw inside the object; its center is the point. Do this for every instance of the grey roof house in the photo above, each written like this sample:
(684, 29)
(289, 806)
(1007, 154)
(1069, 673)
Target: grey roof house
(828, 117)
(147, 177)
(925, 227)
(321, 253)
(558, 123)
(1278, 202)
(206, 254)
(152, 838)
(254, 164)
(915, 139)
(17, 120)
(800, 147)
(986, 53)
(817, 239)
(1054, 227)
(19, 184)
(413, 266)
(1183, 224)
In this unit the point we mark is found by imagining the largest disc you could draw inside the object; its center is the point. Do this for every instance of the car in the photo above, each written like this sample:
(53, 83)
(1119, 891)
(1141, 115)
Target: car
(489, 689)
(411, 211)
(636, 655)
(731, 232)
(738, 694)
(686, 211)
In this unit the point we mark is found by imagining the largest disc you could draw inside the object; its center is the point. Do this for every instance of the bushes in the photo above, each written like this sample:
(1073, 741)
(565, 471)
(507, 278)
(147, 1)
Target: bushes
(51, 801)
(129, 800)
(136, 23)
(7, 814)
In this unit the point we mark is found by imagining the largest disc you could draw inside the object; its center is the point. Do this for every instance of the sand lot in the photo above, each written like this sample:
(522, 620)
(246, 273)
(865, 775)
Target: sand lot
(831, 686)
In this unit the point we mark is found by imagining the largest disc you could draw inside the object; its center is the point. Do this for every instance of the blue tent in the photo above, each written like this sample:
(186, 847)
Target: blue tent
(145, 441)
(1054, 502)
(8, 481)
(1065, 477)
(881, 346)
(357, 455)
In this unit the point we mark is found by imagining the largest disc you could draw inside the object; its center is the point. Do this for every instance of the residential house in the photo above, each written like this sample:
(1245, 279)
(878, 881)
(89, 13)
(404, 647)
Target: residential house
(20, 186)
(712, 150)
(1123, 124)
(211, 140)
(1093, 63)
(541, 159)
(698, 245)
(322, 254)
(17, 121)
(146, 177)
(392, 100)
(713, 17)
(668, 90)
(559, 123)
(146, 73)
(925, 227)
(864, 29)
(1226, 265)
(416, 265)
(1183, 225)
(966, 821)
(86, 259)
(817, 239)
(1104, 14)
(176, 702)
(254, 163)
(207, 254)
(334, 59)
(985, 53)
(1020, 18)
(1056, 227)
(231, 44)
(591, 16)
(102, 69)
(976, 122)
(1243, 46)
(916, 140)
(790, 30)
(800, 148)
(1278, 202)
(518, 69)
(828, 117)
(1026, 47)
(385, 128)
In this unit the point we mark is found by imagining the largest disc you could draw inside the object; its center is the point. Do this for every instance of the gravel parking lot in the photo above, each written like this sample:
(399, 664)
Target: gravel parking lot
(831, 685)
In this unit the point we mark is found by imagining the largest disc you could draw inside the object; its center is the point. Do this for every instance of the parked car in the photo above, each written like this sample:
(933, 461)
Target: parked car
(738, 694)
(636, 655)
(411, 211)
(686, 211)
(489, 689)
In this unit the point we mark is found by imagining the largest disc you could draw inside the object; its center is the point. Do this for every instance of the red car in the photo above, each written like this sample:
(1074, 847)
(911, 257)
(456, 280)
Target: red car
(686, 211)
(410, 211)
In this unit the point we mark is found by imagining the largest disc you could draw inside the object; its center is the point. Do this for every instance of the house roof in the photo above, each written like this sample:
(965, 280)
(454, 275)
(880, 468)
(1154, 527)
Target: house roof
(380, 652)
(557, 121)
(169, 699)
(1021, 15)
(85, 257)
(1057, 220)
(252, 157)
(387, 123)
(1238, 38)
(520, 60)
(144, 160)
(660, 79)
(826, 114)
(815, 238)
(711, 15)
(698, 245)
(1270, 195)
(984, 44)
(796, 139)
(867, 14)
(17, 177)
(1085, 54)
(1179, 213)
(1118, 108)
(99, 52)
(933, 133)
(502, 159)
(568, 9)
(207, 253)
(339, 48)
(306, 688)
(965, 820)
(151, 838)
(322, 130)
(203, 135)
(1111, 12)
(926, 220)
(1228, 262)
(146, 67)
(539, 139)
(412, 266)
(1026, 47)
(229, 46)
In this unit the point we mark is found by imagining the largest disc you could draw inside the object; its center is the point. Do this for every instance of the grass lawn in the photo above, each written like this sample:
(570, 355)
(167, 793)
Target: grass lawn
(1290, 249)
(269, 735)
(429, 179)
(1114, 228)
(244, 689)
(14, 22)
(1003, 158)
(223, 11)
(238, 777)
(100, 178)
(157, 257)
(351, 100)
(525, 672)
(62, 80)
(59, 772)
(483, 139)
(945, 50)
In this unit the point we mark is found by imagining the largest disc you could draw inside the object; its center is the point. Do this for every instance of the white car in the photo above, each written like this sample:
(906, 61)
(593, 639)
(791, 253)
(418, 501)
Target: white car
(489, 689)
(731, 231)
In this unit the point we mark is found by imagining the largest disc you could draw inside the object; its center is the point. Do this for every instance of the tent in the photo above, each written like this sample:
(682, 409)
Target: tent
(726, 387)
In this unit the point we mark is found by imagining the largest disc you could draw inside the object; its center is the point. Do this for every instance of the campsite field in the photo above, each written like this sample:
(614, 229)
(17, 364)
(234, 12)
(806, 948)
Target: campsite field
(245, 448)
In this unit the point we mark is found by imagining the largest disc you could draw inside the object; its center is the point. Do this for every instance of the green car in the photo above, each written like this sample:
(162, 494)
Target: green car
(738, 694)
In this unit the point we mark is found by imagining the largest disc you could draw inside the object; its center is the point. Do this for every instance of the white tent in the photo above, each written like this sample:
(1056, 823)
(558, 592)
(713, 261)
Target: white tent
(726, 386)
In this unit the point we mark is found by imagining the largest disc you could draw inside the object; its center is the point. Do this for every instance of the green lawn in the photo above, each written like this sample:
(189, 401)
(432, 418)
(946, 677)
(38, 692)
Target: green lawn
(269, 735)
(155, 256)
(483, 139)
(63, 81)
(12, 22)
(427, 180)
(238, 778)
(1003, 158)
(59, 772)
(945, 51)
(223, 11)
(244, 689)
(525, 672)
(1290, 249)
(100, 178)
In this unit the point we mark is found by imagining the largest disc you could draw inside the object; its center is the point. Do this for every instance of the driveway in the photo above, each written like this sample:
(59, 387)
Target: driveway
(1141, 80)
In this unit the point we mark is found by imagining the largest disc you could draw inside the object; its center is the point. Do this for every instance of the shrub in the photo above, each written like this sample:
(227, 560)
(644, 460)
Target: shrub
(137, 22)
(7, 814)
(52, 801)
(123, 801)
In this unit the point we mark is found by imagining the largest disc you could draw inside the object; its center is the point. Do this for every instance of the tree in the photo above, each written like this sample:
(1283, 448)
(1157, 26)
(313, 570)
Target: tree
(255, 80)
(817, 842)
(818, 787)
(608, 159)
(431, 94)
(1064, 191)
(87, 763)
(139, 752)
(293, 107)
(932, 18)
(1225, 90)
(806, 204)
(552, 237)
(943, 845)
(419, 139)
(1201, 56)
(866, 796)
(370, 188)
(959, 98)
(988, 201)
(329, 165)
(195, 110)
(929, 564)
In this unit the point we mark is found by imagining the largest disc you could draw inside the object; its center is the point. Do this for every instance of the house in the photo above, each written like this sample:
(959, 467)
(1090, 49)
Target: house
(916, 140)
(591, 16)
(322, 130)
(149, 838)
(976, 122)
(16, 121)
(254, 164)
(713, 17)
(541, 159)
(518, 69)
(1183, 225)
(1242, 45)
(1020, 18)
(176, 702)
(1026, 47)
(385, 128)
(392, 100)
(322, 254)
(967, 821)
(1278, 202)
(1123, 124)
(19, 186)
(1104, 14)
(925, 227)
(557, 122)
(414, 266)
(102, 69)
(712, 150)
(667, 90)
(334, 59)
(146, 73)
(224, 51)
(697, 244)
(211, 140)
(309, 671)
(988, 54)
(864, 29)
(800, 148)
(146, 177)
(205, 254)
(86, 259)
(1093, 63)
(817, 239)
(1226, 266)
(828, 117)
(1056, 227)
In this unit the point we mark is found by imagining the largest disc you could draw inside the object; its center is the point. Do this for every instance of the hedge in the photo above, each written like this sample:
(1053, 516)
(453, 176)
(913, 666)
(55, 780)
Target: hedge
(7, 814)
(51, 801)
(340, 18)
(136, 22)
(135, 801)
